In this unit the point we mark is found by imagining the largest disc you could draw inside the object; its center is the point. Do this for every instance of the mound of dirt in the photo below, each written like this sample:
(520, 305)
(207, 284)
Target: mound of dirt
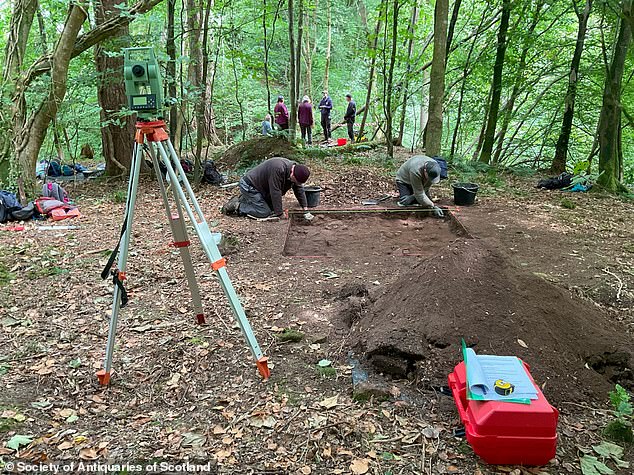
(471, 291)
(253, 151)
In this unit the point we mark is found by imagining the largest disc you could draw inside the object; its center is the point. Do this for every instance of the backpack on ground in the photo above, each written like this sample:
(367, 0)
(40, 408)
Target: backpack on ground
(8, 205)
(53, 190)
(556, 183)
(211, 174)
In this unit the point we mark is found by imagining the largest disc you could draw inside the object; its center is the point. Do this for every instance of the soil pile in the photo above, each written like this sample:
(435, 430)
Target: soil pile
(251, 152)
(473, 292)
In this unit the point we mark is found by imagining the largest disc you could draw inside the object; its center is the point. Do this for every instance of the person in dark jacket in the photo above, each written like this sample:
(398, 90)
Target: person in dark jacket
(350, 116)
(281, 113)
(306, 120)
(325, 106)
(262, 188)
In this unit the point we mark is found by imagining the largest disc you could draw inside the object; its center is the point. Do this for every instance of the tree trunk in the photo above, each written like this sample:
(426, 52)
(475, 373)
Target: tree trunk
(496, 90)
(610, 117)
(171, 69)
(437, 80)
(298, 58)
(368, 95)
(452, 27)
(292, 78)
(465, 74)
(267, 47)
(408, 71)
(519, 79)
(201, 105)
(328, 44)
(309, 48)
(117, 132)
(194, 69)
(29, 139)
(19, 28)
(390, 81)
(561, 150)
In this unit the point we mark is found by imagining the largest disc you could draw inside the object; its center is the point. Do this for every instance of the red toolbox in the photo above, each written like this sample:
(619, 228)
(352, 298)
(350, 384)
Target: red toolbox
(504, 433)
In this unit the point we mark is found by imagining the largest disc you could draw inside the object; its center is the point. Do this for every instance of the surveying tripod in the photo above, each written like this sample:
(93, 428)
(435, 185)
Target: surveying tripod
(151, 137)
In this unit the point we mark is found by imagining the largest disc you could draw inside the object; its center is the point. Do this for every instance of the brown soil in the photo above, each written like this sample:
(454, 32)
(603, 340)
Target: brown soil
(54, 291)
(472, 291)
(368, 234)
(251, 152)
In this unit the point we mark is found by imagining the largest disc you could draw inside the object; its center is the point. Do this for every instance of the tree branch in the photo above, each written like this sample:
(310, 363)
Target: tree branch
(107, 29)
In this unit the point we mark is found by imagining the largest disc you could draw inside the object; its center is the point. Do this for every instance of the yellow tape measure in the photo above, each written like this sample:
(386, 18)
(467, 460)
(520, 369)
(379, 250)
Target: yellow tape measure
(503, 388)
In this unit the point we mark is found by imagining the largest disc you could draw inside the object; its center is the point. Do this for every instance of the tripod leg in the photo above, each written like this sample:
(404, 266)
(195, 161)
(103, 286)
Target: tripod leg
(133, 184)
(181, 241)
(211, 250)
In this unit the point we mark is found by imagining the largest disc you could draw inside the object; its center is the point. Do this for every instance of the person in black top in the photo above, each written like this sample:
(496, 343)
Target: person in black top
(351, 115)
(325, 106)
(262, 188)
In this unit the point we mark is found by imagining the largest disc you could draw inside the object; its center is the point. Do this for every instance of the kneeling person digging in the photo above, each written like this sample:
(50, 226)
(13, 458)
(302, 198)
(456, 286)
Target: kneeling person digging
(414, 179)
(262, 188)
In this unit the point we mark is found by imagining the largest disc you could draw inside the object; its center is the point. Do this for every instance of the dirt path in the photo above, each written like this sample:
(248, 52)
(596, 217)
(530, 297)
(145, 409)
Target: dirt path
(187, 392)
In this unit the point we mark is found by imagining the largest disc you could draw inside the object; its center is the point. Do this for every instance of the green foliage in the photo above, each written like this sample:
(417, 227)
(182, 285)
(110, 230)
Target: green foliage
(326, 372)
(5, 275)
(620, 429)
(567, 203)
(290, 335)
(119, 196)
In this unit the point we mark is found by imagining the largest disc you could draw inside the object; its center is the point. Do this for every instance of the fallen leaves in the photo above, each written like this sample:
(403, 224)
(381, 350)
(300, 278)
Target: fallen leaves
(360, 466)
(192, 439)
(262, 420)
(330, 402)
(17, 441)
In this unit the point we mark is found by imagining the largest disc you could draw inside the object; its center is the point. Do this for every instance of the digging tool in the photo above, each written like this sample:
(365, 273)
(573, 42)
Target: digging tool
(375, 201)
(268, 218)
(144, 89)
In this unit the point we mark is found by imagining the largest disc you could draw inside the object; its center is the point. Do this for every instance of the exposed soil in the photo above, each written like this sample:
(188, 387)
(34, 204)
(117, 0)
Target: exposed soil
(183, 391)
(251, 152)
(472, 291)
(370, 234)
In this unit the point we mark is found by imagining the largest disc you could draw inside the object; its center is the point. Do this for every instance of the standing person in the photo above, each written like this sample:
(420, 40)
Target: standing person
(267, 128)
(281, 113)
(325, 106)
(414, 179)
(306, 120)
(351, 115)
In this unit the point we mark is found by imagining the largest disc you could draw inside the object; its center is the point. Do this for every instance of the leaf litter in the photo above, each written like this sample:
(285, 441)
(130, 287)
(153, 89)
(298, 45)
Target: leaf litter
(173, 397)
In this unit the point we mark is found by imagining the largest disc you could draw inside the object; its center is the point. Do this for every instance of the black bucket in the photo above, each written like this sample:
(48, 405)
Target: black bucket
(464, 193)
(312, 195)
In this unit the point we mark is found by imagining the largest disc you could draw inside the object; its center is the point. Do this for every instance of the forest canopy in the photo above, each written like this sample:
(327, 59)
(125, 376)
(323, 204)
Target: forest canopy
(541, 83)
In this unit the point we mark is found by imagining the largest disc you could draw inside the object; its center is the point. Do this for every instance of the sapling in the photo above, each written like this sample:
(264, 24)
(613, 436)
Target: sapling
(620, 429)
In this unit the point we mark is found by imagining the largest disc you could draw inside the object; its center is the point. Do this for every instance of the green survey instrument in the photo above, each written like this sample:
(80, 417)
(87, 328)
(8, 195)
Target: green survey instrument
(143, 85)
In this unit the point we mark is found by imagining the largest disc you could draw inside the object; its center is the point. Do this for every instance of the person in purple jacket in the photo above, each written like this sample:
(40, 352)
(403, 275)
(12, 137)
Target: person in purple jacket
(305, 119)
(281, 113)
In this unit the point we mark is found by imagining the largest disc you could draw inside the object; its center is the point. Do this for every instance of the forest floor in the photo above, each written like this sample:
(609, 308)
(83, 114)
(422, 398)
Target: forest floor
(188, 392)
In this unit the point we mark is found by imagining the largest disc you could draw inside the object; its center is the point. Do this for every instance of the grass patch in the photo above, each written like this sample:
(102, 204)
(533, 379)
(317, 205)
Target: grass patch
(291, 335)
(118, 196)
(326, 372)
(41, 272)
(5, 275)
(567, 203)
